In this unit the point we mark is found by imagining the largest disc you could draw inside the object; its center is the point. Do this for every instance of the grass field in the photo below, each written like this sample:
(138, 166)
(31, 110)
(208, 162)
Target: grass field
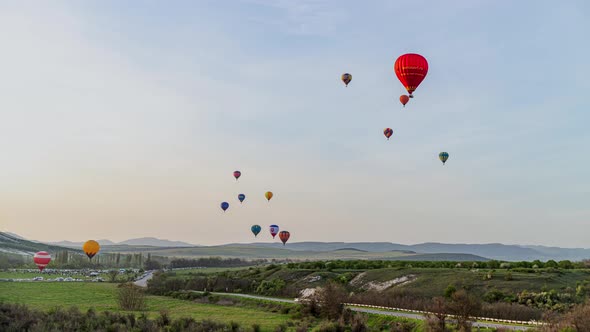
(102, 297)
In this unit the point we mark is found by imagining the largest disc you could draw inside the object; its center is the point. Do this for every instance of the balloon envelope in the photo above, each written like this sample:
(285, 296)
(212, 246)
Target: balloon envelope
(284, 236)
(41, 259)
(404, 99)
(237, 174)
(443, 156)
(268, 195)
(411, 69)
(274, 229)
(255, 229)
(241, 197)
(388, 132)
(91, 248)
(224, 206)
(346, 78)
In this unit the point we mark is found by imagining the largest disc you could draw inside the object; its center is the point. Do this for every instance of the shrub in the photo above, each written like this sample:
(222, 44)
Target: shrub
(450, 290)
(130, 297)
(358, 323)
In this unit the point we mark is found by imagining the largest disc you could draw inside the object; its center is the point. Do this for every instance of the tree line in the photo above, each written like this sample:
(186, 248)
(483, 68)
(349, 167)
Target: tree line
(381, 264)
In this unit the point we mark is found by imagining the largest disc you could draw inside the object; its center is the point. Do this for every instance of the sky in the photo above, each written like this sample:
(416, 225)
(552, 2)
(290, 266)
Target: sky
(123, 120)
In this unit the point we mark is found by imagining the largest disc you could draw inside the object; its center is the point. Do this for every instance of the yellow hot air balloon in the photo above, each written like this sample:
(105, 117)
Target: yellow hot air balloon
(91, 248)
(268, 195)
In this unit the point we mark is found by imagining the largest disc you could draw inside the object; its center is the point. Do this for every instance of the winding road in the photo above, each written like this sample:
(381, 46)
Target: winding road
(381, 312)
(143, 283)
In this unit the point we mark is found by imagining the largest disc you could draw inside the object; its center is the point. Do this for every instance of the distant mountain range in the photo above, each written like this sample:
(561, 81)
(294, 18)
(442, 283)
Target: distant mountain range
(492, 250)
(12, 243)
(143, 241)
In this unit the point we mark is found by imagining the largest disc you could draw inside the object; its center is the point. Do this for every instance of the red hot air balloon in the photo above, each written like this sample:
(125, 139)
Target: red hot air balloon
(41, 259)
(237, 175)
(404, 99)
(388, 132)
(411, 69)
(284, 236)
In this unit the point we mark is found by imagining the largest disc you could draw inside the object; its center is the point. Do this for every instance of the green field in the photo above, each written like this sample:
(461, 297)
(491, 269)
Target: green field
(250, 252)
(102, 297)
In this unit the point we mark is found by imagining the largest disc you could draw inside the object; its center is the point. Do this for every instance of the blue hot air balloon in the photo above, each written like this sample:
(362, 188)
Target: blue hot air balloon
(256, 229)
(241, 197)
(224, 206)
(443, 156)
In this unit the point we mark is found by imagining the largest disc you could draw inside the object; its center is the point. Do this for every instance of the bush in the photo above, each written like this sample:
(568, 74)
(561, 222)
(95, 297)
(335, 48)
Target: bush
(331, 327)
(358, 323)
(332, 296)
(20, 318)
(130, 297)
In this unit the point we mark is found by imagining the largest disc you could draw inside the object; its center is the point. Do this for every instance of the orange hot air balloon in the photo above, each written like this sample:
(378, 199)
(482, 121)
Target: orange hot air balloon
(268, 195)
(91, 248)
(411, 69)
(284, 236)
(388, 132)
(404, 99)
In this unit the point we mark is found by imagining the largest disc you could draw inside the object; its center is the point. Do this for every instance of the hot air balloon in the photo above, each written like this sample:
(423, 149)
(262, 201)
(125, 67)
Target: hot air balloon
(241, 197)
(91, 248)
(346, 78)
(443, 156)
(237, 175)
(388, 132)
(255, 229)
(224, 206)
(284, 236)
(274, 229)
(41, 259)
(411, 69)
(404, 99)
(268, 195)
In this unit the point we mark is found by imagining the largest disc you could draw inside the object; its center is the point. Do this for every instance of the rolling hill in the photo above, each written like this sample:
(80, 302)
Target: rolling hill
(317, 250)
(11, 244)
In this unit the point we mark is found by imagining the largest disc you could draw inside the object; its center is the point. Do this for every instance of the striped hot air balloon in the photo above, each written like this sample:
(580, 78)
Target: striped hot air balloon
(41, 259)
(284, 236)
(388, 132)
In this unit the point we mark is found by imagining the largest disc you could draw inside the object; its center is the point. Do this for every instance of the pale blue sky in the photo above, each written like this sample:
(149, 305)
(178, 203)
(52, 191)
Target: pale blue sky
(127, 120)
